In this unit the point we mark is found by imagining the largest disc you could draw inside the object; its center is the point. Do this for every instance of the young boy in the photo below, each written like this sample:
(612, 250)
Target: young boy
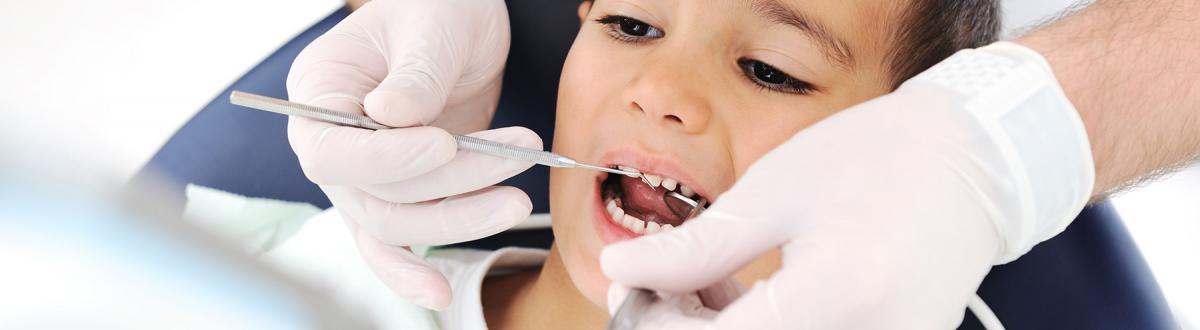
(690, 93)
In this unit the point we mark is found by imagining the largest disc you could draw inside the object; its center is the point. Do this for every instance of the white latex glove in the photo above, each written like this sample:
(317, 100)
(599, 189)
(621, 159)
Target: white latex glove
(890, 213)
(432, 66)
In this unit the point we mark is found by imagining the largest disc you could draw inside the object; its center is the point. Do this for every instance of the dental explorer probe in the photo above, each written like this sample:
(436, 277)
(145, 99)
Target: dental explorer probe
(474, 144)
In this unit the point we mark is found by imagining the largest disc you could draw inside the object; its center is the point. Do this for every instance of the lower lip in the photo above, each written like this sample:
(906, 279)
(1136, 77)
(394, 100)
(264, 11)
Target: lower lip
(609, 232)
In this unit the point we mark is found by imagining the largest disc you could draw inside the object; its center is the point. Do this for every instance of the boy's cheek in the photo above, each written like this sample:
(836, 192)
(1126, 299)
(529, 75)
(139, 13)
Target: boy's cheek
(594, 70)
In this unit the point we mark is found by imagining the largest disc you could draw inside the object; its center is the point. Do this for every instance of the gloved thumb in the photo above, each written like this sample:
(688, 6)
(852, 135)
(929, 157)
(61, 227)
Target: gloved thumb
(692, 257)
(414, 97)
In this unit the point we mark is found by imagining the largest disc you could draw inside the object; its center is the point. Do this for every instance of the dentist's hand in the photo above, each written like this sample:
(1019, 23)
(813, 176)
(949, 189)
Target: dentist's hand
(890, 213)
(431, 67)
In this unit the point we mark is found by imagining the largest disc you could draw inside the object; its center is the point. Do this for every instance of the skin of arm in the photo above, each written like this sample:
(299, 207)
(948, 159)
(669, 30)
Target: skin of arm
(354, 4)
(1131, 70)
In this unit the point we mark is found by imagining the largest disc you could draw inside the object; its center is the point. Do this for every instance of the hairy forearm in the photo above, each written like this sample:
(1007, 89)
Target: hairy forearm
(1132, 69)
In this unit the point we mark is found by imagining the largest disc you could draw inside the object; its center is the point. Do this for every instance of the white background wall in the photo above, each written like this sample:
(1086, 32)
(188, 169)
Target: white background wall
(105, 83)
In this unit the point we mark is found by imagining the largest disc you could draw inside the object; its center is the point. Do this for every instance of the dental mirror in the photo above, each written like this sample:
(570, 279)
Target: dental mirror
(682, 206)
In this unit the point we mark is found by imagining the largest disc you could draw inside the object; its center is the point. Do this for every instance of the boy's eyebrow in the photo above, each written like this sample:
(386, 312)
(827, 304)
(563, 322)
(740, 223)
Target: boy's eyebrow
(832, 47)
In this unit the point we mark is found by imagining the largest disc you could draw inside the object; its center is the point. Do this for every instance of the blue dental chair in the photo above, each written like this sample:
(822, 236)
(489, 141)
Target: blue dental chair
(1089, 277)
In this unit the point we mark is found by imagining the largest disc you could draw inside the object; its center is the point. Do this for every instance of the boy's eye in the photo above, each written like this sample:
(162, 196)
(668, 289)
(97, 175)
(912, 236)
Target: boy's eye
(634, 27)
(766, 76)
(629, 29)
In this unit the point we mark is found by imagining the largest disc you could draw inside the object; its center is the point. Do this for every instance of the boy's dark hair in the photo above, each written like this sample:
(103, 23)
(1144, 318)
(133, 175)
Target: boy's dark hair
(932, 30)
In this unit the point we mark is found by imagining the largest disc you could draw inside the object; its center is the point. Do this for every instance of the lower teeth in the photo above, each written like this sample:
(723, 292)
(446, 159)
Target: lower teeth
(617, 215)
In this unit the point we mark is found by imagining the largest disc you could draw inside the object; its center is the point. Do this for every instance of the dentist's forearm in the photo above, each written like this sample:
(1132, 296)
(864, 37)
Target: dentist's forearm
(354, 4)
(1132, 69)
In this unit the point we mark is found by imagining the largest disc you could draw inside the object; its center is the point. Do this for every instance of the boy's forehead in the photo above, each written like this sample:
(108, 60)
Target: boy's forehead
(845, 29)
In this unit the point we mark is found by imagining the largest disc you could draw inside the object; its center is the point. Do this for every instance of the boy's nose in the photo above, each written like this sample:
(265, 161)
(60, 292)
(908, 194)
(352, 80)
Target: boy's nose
(671, 97)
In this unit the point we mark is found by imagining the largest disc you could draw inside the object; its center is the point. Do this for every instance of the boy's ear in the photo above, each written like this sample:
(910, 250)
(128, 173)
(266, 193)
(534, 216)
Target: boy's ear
(584, 7)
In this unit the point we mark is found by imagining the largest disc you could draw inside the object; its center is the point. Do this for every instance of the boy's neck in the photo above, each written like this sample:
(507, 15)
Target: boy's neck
(545, 299)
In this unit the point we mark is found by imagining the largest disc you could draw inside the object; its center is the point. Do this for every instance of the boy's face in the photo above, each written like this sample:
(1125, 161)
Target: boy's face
(696, 91)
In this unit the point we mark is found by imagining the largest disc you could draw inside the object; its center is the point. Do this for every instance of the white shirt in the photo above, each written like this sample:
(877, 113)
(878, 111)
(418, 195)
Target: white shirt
(466, 269)
(322, 253)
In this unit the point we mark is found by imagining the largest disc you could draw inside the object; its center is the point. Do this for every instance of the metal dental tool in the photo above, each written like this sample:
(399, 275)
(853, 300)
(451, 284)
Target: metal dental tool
(474, 144)
(682, 206)
(639, 300)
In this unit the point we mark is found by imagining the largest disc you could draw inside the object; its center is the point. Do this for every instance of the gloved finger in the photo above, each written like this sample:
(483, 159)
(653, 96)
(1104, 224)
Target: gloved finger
(450, 220)
(406, 274)
(708, 249)
(343, 64)
(336, 71)
(617, 293)
(758, 309)
(784, 300)
(677, 312)
(716, 297)
(340, 155)
(826, 284)
(424, 74)
(411, 96)
(468, 171)
(685, 311)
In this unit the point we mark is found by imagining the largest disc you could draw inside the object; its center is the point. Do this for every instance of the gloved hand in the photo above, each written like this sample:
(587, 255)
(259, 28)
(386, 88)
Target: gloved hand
(890, 213)
(431, 67)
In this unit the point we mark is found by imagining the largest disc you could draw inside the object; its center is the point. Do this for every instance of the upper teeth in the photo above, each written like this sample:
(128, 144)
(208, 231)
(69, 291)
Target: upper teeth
(686, 191)
(669, 183)
(628, 169)
(658, 181)
(653, 180)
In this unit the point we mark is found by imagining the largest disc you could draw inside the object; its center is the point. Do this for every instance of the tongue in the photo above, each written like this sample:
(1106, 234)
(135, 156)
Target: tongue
(646, 203)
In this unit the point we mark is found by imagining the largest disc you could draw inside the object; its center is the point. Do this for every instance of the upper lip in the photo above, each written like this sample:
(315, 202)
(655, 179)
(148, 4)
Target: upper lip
(652, 164)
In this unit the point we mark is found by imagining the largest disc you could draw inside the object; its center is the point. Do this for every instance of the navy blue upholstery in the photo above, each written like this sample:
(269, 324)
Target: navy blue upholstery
(1090, 277)
(235, 149)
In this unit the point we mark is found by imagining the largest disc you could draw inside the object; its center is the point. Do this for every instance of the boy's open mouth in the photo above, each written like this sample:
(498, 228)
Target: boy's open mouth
(640, 206)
